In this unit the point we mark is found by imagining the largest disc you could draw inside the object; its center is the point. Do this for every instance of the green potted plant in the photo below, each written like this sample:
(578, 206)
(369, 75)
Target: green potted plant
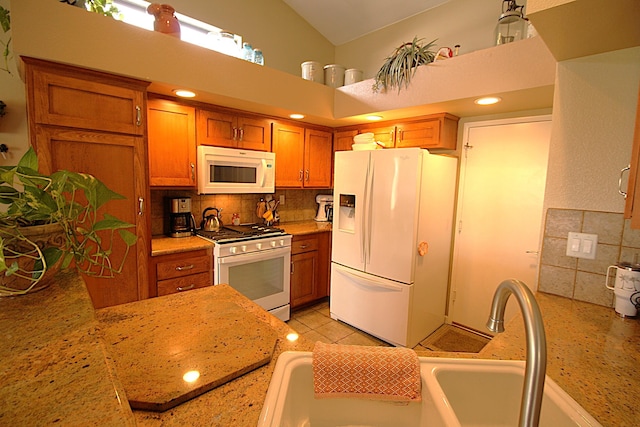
(399, 68)
(66, 202)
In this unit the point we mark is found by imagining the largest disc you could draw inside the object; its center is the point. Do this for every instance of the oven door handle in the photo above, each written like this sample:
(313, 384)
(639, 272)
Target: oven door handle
(254, 256)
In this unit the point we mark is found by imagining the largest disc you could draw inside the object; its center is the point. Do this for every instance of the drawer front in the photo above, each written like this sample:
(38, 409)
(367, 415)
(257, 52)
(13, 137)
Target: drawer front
(181, 284)
(304, 245)
(183, 267)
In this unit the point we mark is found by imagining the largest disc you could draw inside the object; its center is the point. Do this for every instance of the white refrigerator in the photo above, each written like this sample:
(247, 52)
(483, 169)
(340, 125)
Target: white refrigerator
(392, 235)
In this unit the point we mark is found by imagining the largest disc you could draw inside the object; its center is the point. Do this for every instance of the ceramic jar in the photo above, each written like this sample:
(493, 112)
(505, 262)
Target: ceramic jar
(166, 21)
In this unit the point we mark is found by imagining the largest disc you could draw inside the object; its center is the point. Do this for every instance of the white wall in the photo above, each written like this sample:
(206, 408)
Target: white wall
(285, 38)
(594, 110)
(469, 23)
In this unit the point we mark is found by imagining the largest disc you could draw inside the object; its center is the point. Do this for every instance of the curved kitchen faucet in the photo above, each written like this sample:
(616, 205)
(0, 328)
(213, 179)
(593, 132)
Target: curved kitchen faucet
(536, 362)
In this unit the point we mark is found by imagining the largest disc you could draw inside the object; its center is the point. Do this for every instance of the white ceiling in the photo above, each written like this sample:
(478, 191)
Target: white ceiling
(341, 21)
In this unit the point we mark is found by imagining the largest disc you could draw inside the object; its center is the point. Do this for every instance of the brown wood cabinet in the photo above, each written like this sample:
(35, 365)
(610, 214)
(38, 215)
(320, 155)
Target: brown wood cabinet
(231, 129)
(310, 267)
(91, 122)
(172, 143)
(303, 156)
(179, 272)
(632, 205)
(435, 131)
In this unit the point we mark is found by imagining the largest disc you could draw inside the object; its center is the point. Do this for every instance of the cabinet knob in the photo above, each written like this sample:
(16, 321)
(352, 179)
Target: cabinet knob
(307, 175)
(184, 267)
(185, 288)
(193, 172)
(300, 176)
(138, 116)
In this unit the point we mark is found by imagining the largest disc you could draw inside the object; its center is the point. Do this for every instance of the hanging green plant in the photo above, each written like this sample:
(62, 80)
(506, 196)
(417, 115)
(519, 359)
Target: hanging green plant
(399, 68)
(5, 24)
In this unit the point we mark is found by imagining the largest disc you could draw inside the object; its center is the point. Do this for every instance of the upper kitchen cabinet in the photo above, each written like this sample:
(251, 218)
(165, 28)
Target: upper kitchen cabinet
(303, 156)
(632, 206)
(172, 143)
(234, 130)
(342, 140)
(71, 129)
(95, 104)
(576, 28)
(435, 131)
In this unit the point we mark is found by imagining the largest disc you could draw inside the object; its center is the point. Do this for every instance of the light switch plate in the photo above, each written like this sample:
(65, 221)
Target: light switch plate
(582, 245)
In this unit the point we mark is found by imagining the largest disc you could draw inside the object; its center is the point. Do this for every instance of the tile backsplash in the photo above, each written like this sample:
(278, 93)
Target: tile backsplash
(578, 278)
(298, 205)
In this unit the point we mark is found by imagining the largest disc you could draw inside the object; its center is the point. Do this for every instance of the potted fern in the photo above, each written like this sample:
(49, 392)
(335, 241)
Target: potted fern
(53, 222)
(401, 65)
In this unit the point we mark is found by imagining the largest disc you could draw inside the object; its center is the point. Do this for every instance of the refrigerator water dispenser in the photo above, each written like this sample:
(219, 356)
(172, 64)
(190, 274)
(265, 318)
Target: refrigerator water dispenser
(347, 213)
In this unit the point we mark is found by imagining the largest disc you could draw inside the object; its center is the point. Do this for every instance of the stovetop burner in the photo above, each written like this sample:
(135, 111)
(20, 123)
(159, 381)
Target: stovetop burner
(231, 233)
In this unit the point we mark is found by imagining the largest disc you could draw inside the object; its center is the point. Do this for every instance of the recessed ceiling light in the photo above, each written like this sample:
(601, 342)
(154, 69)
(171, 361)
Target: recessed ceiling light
(488, 100)
(184, 93)
(296, 116)
(374, 118)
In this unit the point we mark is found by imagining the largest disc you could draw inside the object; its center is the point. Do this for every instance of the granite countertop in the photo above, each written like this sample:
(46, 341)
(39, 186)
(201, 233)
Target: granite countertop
(57, 367)
(592, 353)
(305, 227)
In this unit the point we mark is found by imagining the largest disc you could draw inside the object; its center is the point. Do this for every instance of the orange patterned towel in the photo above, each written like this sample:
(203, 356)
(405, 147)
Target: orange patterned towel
(363, 372)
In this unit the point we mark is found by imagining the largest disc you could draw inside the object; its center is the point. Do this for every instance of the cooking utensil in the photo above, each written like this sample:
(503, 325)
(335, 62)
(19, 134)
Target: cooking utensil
(211, 222)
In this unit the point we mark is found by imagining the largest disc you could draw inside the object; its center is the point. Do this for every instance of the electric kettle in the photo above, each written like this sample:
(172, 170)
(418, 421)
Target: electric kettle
(211, 222)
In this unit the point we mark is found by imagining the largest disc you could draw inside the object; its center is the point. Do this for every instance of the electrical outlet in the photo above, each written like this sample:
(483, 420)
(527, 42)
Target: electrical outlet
(582, 245)
(282, 199)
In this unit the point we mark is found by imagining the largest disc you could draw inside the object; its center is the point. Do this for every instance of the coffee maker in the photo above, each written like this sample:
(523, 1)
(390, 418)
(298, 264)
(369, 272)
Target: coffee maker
(181, 221)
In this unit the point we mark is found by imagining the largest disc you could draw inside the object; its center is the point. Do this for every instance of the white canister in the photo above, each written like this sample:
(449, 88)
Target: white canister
(312, 70)
(334, 75)
(626, 288)
(352, 75)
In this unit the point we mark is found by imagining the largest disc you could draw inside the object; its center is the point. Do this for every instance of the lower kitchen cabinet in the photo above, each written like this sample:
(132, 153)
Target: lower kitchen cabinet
(183, 271)
(310, 266)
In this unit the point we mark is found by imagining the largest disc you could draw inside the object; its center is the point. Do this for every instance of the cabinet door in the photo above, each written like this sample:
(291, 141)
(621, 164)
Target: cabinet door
(385, 135)
(303, 278)
(288, 145)
(216, 128)
(118, 161)
(632, 204)
(343, 140)
(318, 154)
(172, 143)
(422, 134)
(87, 104)
(254, 133)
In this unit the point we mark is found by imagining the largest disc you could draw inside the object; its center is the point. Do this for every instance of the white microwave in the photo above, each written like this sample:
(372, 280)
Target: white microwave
(229, 170)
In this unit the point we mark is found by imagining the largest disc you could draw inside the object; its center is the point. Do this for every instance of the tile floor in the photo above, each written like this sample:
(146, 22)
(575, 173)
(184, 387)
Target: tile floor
(315, 324)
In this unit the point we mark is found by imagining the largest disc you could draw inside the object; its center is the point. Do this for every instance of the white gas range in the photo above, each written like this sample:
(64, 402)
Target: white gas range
(256, 261)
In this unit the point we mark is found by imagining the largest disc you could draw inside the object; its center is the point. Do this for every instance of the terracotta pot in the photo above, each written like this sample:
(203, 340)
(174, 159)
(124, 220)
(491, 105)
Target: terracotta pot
(166, 22)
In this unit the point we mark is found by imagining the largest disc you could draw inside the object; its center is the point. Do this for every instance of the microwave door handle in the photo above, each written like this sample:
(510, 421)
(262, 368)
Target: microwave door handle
(264, 173)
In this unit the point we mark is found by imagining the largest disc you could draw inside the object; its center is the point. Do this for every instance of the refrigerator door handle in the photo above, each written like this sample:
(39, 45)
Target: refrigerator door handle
(365, 280)
(363, 216)
(370, 211)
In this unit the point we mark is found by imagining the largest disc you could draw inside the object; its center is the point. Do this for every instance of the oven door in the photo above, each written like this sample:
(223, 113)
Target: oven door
(264, 277)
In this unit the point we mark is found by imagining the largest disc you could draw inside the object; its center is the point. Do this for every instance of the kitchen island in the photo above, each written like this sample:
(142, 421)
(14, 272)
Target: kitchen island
(58, 368)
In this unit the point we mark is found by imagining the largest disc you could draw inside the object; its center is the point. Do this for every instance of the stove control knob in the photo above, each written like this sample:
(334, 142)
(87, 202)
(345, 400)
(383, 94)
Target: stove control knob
(244, 248)
(233, 249)
(273, 243)
(281, 242)
(258, 246)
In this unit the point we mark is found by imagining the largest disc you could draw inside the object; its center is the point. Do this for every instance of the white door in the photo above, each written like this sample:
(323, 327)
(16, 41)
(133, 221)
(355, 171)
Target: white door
(499, 217)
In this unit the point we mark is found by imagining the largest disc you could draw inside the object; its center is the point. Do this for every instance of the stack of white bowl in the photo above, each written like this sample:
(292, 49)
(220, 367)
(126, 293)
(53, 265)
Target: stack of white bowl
(364, 141)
